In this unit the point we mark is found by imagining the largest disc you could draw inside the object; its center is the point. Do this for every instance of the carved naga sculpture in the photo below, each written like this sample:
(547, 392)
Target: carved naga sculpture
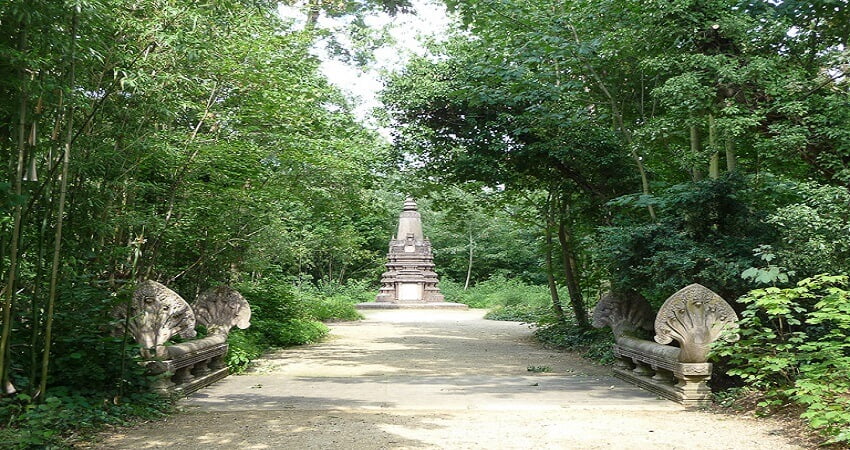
(695, 317)
(625, 314)
(222, 308)
(156, 313)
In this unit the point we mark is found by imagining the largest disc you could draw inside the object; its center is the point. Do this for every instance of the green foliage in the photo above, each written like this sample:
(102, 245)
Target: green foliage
(812, 229)
(244, 347)
(298, 332)
(332, 301)
(794, 346)
(518, 312)
(184, 168)
(220, 153)
(279, 318)
(473, 232)
(705, 235)
(336, 308)
(771, 274)
(497, 291)
(593, 343)
(272, 300)
(29, 424)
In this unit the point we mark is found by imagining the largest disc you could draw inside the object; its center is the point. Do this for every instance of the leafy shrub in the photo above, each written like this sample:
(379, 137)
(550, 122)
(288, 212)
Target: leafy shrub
(497, 291)
(518, 313)
(813, 229)
(595, 344)
(333, 308)
(300, 331)
(244, 347)
(794, 346)
(44, 425)
(334, 301)
(272, 300)
(94, 378)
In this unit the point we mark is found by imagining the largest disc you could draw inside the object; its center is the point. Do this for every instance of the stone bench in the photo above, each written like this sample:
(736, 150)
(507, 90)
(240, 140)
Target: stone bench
(693, 317)
(190, 365)
(155, 314)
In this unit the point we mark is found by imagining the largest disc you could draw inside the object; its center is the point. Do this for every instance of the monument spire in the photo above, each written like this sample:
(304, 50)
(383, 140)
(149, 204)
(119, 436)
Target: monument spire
(410, 222)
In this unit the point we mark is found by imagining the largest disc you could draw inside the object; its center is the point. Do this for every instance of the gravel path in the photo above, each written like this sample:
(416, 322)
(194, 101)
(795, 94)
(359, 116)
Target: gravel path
(436, 379)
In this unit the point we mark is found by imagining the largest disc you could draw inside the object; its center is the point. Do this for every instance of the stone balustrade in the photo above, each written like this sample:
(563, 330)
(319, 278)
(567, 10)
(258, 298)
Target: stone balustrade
(694, 317)
(190, 365)
(156, 314)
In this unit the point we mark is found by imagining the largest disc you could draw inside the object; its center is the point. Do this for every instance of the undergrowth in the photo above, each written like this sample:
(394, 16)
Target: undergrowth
(794, 348)
(496, 292)
(593, 344)
(67, 416)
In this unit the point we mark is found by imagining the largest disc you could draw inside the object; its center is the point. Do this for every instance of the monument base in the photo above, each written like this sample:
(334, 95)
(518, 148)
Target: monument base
(411, 305)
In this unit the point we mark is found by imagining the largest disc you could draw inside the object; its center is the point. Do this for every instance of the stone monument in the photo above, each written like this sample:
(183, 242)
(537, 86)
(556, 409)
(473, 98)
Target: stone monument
(410, 280)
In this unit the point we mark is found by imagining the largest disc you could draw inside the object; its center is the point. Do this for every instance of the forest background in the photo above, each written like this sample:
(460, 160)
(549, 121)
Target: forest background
(557, 150)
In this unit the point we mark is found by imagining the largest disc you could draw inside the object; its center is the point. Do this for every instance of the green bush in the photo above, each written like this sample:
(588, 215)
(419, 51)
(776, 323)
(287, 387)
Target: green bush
(333, 308)
(45, 425)
(300, 331)
(334, 301)
(94, 379)
(272, 300)
(794, 346)
(518, 313)
(244, 347)
(497, 291)
(595, 344)
(813, 230)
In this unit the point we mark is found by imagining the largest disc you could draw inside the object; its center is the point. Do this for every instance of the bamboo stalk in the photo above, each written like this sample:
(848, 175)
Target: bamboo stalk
(63, 190)
(9, 300)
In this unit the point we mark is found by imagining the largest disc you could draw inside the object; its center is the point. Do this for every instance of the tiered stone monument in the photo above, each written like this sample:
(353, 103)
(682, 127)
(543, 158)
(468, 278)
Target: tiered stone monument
(410, 280)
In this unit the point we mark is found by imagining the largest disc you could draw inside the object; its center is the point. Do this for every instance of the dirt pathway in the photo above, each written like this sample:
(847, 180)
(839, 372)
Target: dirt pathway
(436, 379)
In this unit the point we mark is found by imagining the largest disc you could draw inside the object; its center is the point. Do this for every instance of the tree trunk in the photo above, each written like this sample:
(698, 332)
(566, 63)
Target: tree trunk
(469, 263)
(314, 7)
(60, 210)
(695, 149)
(35, 308)
(550, 276)
(714, 163)
(731, 158)
(8, 301)
(550, 269)
(571, 276)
